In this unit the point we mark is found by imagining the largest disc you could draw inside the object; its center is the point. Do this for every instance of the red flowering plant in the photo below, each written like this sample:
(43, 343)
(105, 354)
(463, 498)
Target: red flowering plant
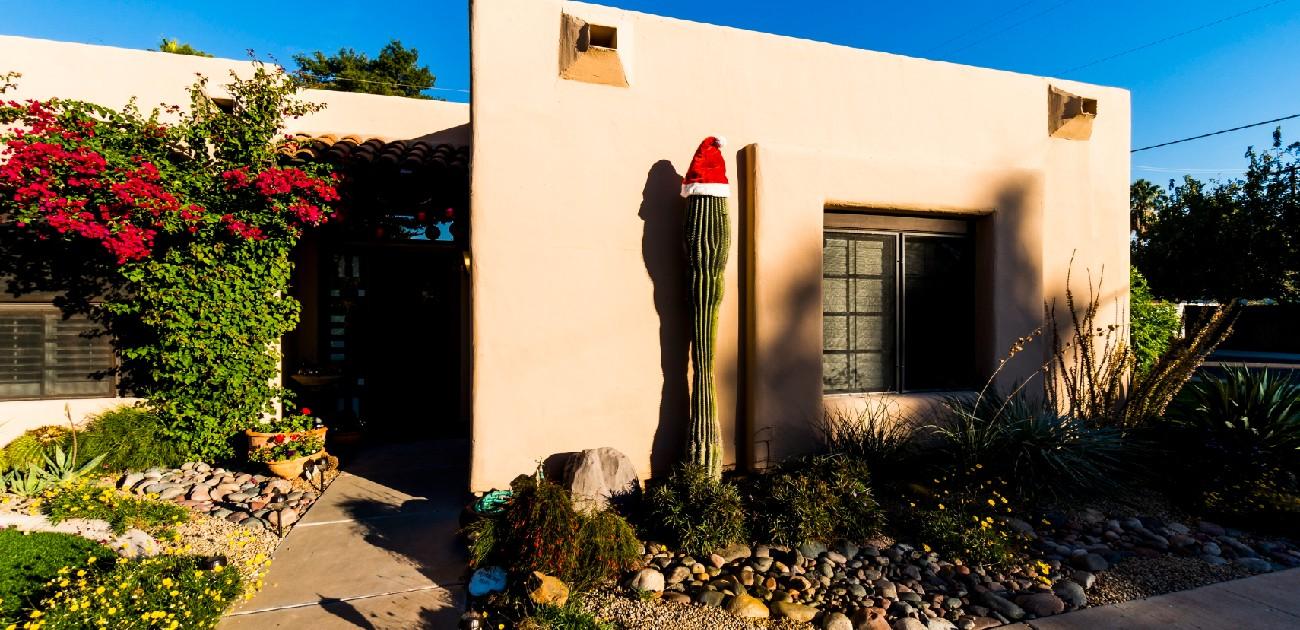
(287, 446)
(172, 229)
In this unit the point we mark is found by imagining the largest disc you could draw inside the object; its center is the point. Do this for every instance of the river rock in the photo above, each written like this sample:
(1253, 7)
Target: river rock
(648, 580)
(548, 590)
(796, 612)
(747, 607)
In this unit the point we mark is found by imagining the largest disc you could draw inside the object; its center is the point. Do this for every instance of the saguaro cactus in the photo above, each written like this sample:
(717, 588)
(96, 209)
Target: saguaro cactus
(708, 241)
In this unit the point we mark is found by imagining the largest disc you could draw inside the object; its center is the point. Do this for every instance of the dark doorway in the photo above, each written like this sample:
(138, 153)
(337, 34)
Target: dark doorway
(382, 345)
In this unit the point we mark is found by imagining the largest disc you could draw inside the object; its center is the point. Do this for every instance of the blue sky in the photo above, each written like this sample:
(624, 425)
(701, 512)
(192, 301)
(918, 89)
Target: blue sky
(1241, 71)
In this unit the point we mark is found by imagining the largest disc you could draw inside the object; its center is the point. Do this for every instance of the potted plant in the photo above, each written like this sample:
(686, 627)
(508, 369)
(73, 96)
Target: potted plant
(287, 425)
(286, 454)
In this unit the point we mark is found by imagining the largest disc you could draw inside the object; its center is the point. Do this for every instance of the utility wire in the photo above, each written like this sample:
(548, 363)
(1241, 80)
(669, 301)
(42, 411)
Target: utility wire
(1215, 133)
(1177, 35)
(1013, 26)
(977, 27)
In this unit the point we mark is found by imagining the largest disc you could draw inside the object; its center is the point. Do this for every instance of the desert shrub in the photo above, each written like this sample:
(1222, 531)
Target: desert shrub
(962, 515)
(694, 512)
(1044, 453)
(166, 591)
(876, 434)
(570, 616)
(122, 511)
(539, 530)
(1234, 440)
(1152, 324)
(30, 447)
(816, 498)
(129, 438)
(607, 546)
(28, 561)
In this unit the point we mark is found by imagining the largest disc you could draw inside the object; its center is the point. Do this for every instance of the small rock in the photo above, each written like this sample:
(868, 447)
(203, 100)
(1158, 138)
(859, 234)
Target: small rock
(886, 589)
(1071, 593)
(677, 574)
(836, 621)
(648, 580)
(712, 599)
(939, 623)
(870, 619)
(795, 612)
(1084, 578)
(908, 623)
(1256, 565)
(171, 492)
(487, 580)
(1041, 604)
(677, 596)
(1090, 562)
(747, 607)
(548, 590)
(1003, 606)
(735, 552)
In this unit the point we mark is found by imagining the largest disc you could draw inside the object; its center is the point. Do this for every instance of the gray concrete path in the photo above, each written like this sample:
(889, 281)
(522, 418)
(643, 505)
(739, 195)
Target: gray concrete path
(1263, 602)
(378, 550)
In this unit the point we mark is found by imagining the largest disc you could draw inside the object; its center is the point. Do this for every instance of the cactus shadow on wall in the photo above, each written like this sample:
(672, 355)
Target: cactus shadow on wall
(662, 250)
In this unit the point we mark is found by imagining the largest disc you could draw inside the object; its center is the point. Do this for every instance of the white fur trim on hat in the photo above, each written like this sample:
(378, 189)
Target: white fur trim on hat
(706, 189)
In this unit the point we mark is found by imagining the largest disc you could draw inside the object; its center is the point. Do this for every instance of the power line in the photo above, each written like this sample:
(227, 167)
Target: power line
(1176, 35)
(977, 27)
(1215, 133)
(1013, 26)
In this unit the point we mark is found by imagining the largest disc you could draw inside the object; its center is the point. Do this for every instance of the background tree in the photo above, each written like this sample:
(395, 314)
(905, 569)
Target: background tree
(1222, 240)
(395, 72)
(175, 47)
(1145, 199)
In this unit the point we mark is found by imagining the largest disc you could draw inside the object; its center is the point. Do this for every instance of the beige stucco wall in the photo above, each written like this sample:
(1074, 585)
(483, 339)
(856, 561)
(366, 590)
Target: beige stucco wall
(113, 76)
(579, 317)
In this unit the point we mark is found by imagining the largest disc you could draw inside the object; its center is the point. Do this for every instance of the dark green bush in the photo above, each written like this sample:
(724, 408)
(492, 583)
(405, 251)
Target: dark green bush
(877, 435)
(167, 591)
(29, 561)
(1234, 443)
(83, 499)
(694, 512)
(1042, 453)
(129, 438)
(541, 528)
(818, 498)
(607, 546)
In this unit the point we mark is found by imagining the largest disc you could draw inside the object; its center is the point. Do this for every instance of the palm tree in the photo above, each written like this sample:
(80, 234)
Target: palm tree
(1145, 201)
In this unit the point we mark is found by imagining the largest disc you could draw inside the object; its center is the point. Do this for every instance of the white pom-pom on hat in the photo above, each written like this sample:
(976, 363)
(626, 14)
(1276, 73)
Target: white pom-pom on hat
(721, 141)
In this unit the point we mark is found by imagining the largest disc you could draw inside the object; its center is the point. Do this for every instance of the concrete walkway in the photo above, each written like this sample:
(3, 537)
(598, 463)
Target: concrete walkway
(1263, 602)
(378, 550)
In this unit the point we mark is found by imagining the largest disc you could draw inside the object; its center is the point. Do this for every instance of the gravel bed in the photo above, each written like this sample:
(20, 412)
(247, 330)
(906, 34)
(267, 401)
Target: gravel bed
(656, 614)
(248, 550)
(1147, 577)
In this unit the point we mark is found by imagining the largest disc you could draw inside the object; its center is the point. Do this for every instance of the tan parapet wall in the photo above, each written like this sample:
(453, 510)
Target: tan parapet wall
(579, 329)
(113, 76)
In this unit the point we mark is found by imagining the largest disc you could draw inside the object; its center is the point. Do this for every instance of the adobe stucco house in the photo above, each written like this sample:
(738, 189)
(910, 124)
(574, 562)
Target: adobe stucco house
(897, 223)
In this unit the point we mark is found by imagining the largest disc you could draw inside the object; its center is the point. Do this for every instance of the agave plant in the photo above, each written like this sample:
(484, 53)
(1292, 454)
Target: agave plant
(61, 467)
(1245, 413)
(25, 483)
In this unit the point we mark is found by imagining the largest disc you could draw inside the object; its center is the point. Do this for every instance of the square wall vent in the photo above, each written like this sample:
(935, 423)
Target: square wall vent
(589, 52)
(1069, 116)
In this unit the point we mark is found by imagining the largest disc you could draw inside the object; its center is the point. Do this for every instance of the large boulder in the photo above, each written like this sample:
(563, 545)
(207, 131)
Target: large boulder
(595, 475)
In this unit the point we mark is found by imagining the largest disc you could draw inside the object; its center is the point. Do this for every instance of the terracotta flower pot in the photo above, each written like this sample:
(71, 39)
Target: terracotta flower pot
(292, 468)
(258, 439)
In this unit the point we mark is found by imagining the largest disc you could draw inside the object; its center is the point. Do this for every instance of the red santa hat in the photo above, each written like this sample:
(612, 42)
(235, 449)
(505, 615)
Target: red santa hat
(708, 172)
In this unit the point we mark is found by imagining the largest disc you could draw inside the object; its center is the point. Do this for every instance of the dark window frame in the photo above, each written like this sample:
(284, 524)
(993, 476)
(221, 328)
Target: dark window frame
(898, 227)
(49, 381)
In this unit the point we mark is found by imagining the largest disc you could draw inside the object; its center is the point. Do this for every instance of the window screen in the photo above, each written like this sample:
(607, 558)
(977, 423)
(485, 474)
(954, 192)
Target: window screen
(894, 322)
(859, 297)
(43, 355)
